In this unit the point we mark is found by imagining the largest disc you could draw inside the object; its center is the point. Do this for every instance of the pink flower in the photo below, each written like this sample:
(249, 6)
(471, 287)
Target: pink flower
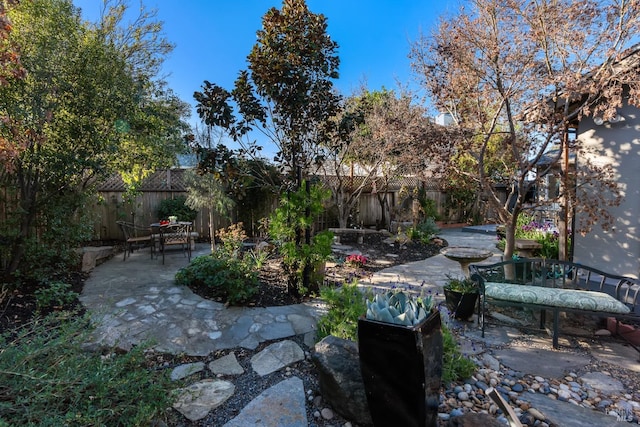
(356, 260)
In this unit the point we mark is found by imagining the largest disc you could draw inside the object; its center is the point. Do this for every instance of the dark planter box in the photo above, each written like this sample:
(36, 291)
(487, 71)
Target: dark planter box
(402, 371)
(461, 305)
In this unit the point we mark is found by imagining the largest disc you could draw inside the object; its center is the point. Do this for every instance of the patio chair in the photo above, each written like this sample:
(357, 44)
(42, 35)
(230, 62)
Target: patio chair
(176, 234)
(134, 237)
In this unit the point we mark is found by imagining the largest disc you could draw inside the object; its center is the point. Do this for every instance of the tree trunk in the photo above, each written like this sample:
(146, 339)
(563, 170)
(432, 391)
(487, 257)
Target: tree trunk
(382, 200)
(27, 218)
(212, 230)
(306, 272)
(342, 221)
(343, 210)
(509, 247)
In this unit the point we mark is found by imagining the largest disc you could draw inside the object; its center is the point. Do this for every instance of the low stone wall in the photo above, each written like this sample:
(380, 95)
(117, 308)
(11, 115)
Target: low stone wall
(92, 254)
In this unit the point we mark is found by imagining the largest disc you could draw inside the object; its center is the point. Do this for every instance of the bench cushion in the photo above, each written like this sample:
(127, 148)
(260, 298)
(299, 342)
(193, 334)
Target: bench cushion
(555, 297)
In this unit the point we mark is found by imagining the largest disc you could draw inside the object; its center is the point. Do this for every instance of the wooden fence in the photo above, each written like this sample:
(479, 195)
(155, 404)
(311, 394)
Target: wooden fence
(142, 211)
(112, 206)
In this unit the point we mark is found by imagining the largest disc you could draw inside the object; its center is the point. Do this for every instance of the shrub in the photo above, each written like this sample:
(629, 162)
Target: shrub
(256, 259)
(44, 261)
(464, 285)
(423, 231)
(49, 379)
(231, 238)
(228, 278)
(455, 366)
(429, 208)
(543, 233)
(296, 213)
(356, 260)
(346, 304)
(177, 207)
(54, 293)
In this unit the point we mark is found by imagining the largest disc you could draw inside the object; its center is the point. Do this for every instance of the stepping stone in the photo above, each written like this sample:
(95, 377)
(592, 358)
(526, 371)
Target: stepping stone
(276, 356)
(569, 415)
(605, 383)
(188, 369)
(541, 362)
(226, 365)
(195, 401)
(282, 405)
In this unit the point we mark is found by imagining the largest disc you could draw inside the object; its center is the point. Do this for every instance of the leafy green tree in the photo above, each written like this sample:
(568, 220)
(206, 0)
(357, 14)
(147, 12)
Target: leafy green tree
(152, 132)
(10, 66)
(292, 66)
(151, 136)
(10, 69)
(286, 94)
(206, 191)
(79, 113)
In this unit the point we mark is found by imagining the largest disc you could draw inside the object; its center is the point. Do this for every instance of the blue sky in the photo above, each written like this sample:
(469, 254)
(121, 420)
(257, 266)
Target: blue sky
(213, 38)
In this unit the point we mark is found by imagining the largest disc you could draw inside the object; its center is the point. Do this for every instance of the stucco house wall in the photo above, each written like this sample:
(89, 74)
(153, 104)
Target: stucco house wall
(618, 144)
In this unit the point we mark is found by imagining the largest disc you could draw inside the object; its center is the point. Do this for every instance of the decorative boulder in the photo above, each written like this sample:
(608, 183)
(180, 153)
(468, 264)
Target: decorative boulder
(341, 384)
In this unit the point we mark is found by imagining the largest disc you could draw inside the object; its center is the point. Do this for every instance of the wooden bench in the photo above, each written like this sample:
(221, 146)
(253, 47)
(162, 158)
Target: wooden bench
(556, 286)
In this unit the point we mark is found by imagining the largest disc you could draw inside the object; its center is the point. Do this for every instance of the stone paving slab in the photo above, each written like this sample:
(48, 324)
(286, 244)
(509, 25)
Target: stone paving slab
(569, 415)
(617, 353)
(282, 405)
(536, 361)
(197, 400)
(137, 299)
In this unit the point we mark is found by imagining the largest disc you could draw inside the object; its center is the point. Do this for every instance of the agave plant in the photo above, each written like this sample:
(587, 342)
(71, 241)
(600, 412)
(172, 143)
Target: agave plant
(399, 308)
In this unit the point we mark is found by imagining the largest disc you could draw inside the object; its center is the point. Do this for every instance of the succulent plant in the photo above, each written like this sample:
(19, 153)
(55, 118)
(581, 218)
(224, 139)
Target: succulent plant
(399, 308)
(463, 285)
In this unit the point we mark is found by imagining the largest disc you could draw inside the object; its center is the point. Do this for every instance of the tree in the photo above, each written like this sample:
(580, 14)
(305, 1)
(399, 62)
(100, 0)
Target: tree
(10, 65)
(390, 141)
(292, 66)
(77, 113)
(10, 70)
(205, 191)
(338, 161)
(217, 176)
(286, 93)
(394, 127)
(152, 132)
(519, 75)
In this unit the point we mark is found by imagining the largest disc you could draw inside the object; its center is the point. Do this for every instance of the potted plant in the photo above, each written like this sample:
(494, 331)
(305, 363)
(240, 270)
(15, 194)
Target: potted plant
(461, 295)
(400, 348)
